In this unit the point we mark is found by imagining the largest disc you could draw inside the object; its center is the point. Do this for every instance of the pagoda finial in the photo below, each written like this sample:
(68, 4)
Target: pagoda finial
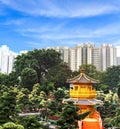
(82, 70)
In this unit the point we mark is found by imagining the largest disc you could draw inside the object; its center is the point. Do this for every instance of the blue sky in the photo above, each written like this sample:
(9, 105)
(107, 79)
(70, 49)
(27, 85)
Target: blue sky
(29, 24)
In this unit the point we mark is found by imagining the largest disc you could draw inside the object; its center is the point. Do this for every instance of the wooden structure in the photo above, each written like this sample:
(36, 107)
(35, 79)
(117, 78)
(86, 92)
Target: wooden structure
(83, 95)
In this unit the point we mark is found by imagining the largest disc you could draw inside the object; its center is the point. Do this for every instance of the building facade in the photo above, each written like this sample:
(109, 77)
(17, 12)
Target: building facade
(7, 58)
(102, 57)
(118, 60)
(108, 56)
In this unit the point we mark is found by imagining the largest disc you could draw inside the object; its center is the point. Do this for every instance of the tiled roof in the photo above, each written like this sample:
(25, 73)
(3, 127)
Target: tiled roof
(84, 102)
(82, 78)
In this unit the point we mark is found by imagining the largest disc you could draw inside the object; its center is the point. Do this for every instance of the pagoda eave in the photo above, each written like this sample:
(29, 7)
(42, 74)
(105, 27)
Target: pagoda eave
(82, 78)
(84, 101)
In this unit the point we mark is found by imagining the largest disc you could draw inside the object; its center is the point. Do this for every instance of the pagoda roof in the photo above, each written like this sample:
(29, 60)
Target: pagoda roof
(82, 78)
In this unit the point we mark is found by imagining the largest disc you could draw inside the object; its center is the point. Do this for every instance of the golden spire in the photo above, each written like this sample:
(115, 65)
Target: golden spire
(82, 71)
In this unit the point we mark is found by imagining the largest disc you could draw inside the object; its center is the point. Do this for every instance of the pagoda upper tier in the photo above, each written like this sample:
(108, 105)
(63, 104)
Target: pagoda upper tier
(81, 86)
(82, 78)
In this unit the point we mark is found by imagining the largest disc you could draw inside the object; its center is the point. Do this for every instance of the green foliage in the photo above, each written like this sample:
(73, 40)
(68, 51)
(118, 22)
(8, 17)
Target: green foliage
(59, 94)
(90, 70)
(110, 97)
(28, 78)
(30, 122)
(43, 99)
(9, 80)
(112, 77)
(37, 98)
(118, 92)
(59, 74)
(9, 125)
(8, 109)
(52, 106)
(107, 110)
(100, 95)
(107, 125)
(18, 126)
(12, 79)
(22, 100)
(116, 120)
(1, 127)
(70, 116)
(40, 60)
(103, 87)
(47, 87)
(3, 79)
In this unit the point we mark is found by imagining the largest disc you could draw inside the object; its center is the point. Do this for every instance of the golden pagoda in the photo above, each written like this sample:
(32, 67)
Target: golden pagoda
(83, 95)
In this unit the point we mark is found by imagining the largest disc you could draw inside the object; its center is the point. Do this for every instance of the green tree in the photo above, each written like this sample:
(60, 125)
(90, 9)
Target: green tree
(34, 97)
(22, 100)
(12, 79)
(70, 117)
(30, 122)
(90, 70)
(18, 126)
(56, 105)
(112, 77)
(9, 80)
(116, 120)
(59, 74)
(47, 87)
(53, 107)
(59, 94)
(4, 79)
(118, 92)
(9, 125)
(8, 110)
(28, 78)
(40, 60)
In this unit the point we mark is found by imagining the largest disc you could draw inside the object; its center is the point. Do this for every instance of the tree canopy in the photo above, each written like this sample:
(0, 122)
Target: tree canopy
(40, 60)
(112, 77)
(28, 78)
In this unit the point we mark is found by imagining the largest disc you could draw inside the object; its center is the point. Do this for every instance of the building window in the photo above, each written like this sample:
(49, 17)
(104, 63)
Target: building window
(76, 87)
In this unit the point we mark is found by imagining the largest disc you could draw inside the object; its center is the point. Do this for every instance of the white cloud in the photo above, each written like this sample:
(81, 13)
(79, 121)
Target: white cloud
(63, 8)
(34, 44)
(61, 32)
(14, 22)
(107, 30)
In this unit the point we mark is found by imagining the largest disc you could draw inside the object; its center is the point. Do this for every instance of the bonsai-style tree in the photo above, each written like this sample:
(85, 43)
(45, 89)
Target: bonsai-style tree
(8, 110)
(69, 118)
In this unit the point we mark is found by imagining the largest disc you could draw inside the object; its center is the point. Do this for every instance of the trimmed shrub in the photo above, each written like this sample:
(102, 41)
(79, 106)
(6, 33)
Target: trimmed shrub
(9, 125)
(18, 126)
(1, 127)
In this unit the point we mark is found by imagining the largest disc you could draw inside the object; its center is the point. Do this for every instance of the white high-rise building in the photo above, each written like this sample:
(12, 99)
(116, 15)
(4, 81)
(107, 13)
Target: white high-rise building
(72, 61)
(78, 56)
(118, 60)
(6, 59)
(118, 55)
(64, 51)
(96, 57)
(101, 57)
(87, 53)
(108, 56)
(118, 51)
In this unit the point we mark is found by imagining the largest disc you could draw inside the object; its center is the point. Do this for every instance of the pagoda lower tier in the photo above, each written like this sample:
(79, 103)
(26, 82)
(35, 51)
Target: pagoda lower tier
(85, 104)
(93, 120)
